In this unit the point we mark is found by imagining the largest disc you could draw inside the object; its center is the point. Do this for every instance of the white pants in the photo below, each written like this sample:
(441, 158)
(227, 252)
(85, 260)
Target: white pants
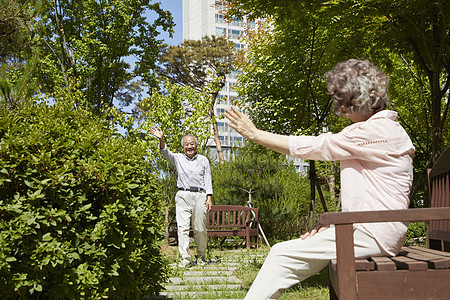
(293, 261)
(191, 206)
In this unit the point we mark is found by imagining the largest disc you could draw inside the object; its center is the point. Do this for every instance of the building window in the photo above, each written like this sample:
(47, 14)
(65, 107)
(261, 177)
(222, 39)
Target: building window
(219, 5)
(222, 126)
(234, 34)
(220, 19)
(220, 31)
(238, 46)
(220, 111)
(237, 22)
(237, 141)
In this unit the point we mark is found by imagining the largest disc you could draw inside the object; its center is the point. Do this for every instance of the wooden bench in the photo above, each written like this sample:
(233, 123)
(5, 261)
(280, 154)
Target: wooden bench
(228, 221)
(416, 272)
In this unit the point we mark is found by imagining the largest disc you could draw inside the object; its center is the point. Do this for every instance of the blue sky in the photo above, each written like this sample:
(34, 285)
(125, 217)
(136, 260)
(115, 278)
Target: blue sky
(175, 7)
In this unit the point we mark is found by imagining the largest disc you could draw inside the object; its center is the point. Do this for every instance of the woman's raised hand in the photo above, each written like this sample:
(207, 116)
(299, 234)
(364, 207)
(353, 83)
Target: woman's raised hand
(241, 123)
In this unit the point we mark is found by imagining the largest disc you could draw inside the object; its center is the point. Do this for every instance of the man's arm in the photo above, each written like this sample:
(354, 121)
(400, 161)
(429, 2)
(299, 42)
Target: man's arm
(208, 185)
(158, 133)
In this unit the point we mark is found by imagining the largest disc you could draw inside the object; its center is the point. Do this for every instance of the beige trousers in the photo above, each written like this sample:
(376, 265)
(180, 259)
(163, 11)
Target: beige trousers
(191, 207)
(293, 261)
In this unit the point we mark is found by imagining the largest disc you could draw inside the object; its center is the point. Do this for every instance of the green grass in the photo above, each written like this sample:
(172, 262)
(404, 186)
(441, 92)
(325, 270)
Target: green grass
(315, 287)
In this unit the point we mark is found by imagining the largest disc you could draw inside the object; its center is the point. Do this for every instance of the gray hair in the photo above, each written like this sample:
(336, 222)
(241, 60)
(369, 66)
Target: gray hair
(358, 87)
(182, 139)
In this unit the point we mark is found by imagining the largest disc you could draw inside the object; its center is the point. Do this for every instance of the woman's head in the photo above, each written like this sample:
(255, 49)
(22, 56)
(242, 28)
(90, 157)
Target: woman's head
(358, 87)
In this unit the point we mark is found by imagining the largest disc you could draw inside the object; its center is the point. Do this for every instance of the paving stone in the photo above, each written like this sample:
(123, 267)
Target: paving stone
(209, 273)
(204, 279)
(210, 287)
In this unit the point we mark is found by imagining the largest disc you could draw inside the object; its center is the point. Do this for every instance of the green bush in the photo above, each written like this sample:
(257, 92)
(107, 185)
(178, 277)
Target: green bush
(282, 194)
(80, 215)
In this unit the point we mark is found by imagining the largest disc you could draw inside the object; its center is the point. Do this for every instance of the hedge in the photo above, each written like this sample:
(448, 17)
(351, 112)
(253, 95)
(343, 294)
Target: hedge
(80, 215)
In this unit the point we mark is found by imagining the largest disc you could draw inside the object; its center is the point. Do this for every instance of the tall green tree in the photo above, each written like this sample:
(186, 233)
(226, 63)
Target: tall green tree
(201, 65)
(17, 54)
(15, 40)
(416, 31)
(87, 42)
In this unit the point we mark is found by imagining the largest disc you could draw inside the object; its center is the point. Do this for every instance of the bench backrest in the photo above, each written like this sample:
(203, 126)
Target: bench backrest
(230, 216)
(439, 193)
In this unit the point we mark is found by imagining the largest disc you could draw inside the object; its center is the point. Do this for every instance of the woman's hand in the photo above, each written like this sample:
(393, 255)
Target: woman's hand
(312, 232)
(241, 123)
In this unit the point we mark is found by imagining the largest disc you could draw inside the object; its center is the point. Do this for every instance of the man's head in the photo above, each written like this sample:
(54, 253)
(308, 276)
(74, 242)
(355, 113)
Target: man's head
(189, 143)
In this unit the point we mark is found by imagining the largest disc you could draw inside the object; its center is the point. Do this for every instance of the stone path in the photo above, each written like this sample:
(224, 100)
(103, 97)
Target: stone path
(211, 281)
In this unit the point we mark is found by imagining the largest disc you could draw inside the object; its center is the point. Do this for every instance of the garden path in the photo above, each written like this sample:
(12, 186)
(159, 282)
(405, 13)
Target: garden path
(211, 281)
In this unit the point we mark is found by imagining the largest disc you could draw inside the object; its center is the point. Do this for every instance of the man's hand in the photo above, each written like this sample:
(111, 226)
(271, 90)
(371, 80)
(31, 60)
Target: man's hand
(311, 233)
(157, 132)
(208, 203)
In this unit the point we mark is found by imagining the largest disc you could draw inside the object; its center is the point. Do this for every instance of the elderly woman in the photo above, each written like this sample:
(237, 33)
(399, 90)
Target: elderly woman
(376, 174)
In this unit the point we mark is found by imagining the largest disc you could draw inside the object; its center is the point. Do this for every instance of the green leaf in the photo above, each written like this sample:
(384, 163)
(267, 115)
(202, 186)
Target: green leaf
(47, 237)
(10, 259)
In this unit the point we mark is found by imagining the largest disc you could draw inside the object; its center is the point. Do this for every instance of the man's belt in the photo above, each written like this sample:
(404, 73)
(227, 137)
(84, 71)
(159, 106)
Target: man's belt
(193, 189)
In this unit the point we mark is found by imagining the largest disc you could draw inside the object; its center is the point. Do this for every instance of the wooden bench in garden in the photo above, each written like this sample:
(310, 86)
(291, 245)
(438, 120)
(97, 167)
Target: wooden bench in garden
(416, 272)
(228, 221)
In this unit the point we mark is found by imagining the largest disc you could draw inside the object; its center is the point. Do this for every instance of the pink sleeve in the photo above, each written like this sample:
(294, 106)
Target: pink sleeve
(327, 147)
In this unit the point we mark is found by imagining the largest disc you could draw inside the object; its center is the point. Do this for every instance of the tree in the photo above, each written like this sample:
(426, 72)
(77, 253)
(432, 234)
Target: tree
(201, 65)
(416, 31)
(86, 42)
(17, 56)
(15, 40)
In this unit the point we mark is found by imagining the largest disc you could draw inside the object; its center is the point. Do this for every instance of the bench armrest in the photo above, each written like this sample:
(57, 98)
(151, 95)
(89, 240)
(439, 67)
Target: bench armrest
(344, 236)
(403, 215)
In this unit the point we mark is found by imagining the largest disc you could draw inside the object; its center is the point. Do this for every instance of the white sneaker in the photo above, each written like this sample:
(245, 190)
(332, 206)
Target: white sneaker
(183, 263)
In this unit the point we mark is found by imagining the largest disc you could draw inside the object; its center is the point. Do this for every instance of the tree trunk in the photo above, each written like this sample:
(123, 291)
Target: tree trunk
(436, 124)
(216, 137)
(312, 185)
(166, 227)
(213, 117)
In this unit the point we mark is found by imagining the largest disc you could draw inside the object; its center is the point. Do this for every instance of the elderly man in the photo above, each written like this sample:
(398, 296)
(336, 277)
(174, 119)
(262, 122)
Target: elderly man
(193, 199)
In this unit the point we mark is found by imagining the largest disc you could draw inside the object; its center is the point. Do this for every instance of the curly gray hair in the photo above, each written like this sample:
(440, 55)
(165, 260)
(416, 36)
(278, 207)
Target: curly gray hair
(358, 87)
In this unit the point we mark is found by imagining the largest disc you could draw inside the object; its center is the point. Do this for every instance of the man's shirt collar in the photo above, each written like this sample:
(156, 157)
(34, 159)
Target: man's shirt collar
(191, 159)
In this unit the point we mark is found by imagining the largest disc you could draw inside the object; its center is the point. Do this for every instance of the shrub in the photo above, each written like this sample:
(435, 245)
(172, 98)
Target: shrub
(281, 193)
(80, 216)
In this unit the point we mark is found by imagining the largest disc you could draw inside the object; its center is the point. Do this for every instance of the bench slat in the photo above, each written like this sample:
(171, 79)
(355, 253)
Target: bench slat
(403, 262)
(361, 264)
(384, 263)
(434, 260)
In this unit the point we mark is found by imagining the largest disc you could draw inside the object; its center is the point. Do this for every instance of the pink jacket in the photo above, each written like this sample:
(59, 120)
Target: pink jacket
(376, 169)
